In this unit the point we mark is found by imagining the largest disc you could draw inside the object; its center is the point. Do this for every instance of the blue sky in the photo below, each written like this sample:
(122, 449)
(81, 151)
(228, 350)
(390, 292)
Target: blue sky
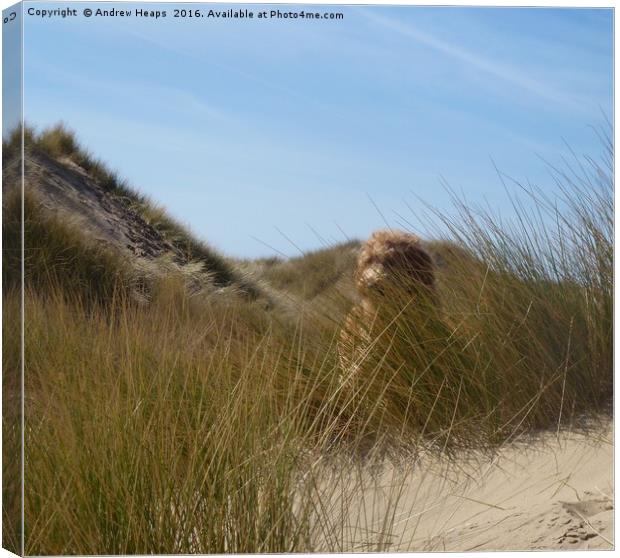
(270, 129)
(11, 70)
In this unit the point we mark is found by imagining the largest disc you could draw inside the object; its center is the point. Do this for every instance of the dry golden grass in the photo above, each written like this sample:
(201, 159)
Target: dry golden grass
(206, 423)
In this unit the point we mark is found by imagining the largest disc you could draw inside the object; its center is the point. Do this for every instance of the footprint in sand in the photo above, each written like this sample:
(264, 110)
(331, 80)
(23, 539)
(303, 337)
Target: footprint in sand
(587, 508)
(580, 528)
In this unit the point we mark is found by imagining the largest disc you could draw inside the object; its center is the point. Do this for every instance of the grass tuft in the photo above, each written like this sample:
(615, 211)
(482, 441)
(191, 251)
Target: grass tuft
(60, 143)
(202, 423)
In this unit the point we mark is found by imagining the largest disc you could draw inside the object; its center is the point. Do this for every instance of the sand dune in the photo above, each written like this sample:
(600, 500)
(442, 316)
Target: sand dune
(556, 493)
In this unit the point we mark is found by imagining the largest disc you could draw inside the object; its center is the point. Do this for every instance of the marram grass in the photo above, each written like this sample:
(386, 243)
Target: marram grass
(209, 424)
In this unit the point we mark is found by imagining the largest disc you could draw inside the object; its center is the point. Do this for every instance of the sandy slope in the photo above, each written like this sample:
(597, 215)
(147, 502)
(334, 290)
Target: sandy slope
(554, 494)
(68, 190)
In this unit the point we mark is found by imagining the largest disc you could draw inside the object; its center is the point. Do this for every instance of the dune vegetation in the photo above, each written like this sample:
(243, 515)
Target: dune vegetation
(159, 420)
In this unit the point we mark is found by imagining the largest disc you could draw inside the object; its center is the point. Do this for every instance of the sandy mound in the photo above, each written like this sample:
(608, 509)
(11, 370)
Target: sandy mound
(556, 493)
(68, 190)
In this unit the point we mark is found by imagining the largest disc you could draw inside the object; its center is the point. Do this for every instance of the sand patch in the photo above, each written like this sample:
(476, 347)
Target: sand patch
(555, 493)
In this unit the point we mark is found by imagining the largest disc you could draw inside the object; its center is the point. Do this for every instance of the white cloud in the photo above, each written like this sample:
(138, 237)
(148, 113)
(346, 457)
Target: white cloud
(496, 69)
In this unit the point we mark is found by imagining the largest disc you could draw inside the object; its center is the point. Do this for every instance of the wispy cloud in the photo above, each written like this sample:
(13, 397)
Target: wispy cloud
(252, 78)
(163, 97)
(494, 68)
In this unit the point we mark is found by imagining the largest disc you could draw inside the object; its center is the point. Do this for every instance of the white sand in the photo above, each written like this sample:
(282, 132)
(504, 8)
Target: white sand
(554, 494)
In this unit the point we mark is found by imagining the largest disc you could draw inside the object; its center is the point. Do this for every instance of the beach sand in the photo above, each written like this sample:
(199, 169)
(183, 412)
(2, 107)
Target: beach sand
(554, 493)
